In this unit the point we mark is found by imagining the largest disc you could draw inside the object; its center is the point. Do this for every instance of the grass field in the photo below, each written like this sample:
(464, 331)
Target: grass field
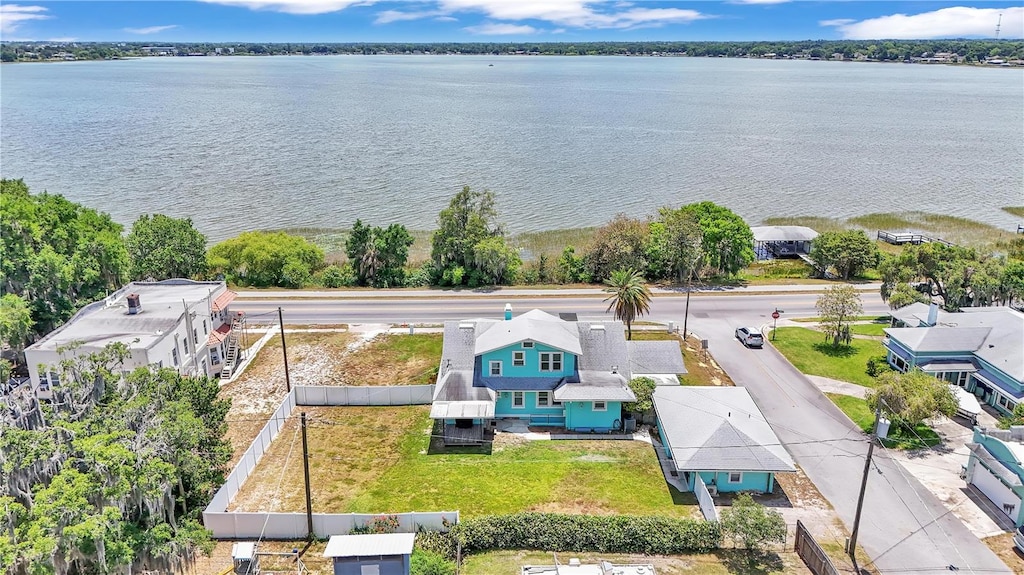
(701, 368)
(857, 410)
(807, 350)
(377, 459)
(394, 360)
(722, 562)
(872, 329)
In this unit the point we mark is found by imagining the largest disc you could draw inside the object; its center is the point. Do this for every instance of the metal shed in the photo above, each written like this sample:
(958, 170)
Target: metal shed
(782, 241)
(376, 554)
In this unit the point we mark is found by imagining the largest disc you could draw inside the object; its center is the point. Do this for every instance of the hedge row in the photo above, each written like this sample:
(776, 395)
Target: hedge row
(602, 533)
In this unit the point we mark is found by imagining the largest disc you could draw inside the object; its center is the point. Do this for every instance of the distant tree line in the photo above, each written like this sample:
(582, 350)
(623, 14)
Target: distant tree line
(878, 50)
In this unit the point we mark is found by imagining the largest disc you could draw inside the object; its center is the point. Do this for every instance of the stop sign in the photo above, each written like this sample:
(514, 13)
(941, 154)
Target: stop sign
(775, 315)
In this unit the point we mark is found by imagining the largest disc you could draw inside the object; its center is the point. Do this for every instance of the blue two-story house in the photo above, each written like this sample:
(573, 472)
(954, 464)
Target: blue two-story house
(981, 349)
(542, 370)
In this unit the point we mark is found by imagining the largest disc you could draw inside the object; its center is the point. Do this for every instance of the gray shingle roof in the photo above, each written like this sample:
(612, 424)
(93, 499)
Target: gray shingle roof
(718, 429)
(604, 347)
(596, 386)
(650, 357)
(938, 339)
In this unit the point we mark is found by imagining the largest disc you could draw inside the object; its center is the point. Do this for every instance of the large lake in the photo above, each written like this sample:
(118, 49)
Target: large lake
(242, 143)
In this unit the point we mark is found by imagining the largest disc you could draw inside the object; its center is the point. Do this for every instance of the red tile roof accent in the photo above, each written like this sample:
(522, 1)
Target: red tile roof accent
(218, 335)
(223, 300)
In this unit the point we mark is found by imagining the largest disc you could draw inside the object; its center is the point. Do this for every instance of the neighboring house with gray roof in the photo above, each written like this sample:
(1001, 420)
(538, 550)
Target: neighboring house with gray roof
(981, 349)
(543, 370)
(719, 434)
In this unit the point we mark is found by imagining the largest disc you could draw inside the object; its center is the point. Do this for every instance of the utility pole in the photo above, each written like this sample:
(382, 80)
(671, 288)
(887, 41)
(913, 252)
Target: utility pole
(863, 486)
(284, 348)
(305, 470)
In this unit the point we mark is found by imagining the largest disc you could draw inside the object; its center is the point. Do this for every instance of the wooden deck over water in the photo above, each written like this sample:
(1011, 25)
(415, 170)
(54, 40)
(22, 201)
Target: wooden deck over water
(899, 239)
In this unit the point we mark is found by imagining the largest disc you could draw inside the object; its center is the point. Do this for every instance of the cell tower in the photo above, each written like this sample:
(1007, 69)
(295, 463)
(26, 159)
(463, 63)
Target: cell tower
(998, 24)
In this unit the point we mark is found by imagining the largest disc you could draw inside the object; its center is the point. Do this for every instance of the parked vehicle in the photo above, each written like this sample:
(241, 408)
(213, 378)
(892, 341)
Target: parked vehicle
(1018, 539)
(750, 336)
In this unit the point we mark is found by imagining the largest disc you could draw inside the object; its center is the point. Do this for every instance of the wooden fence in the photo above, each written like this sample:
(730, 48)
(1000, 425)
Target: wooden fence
(813, 555)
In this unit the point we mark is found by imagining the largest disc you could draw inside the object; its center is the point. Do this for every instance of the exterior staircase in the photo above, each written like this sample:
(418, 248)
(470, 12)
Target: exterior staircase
(232, 348)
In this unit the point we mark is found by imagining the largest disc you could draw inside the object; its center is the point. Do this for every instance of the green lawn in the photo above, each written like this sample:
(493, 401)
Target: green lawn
(899, 438)
(873, 318)
(721, 562)
(873, 329)
(386, 460)
(807, 350)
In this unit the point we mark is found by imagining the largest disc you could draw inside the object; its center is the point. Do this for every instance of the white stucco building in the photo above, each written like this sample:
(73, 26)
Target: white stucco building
(176, 323)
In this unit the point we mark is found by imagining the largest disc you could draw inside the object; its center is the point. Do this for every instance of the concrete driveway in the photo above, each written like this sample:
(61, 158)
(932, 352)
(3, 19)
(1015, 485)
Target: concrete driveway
(904, 527)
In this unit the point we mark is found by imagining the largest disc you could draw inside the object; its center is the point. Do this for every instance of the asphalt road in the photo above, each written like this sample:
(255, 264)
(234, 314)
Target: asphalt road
(904, 527)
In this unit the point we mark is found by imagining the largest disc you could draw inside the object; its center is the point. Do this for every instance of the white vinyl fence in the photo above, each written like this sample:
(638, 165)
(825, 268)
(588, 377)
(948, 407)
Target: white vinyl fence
(238, 525)
(707, 504)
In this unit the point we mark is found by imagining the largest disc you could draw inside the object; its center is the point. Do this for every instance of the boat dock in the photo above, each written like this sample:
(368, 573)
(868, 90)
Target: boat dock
(901, 238)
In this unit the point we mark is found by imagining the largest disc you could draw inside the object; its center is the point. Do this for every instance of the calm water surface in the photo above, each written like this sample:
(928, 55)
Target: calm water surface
(243, 143)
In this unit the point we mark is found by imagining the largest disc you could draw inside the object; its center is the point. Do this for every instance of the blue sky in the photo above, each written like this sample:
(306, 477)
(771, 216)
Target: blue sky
(500, 20)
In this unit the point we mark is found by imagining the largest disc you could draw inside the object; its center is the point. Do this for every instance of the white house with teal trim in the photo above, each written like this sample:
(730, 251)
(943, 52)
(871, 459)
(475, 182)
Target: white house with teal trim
(981, 349)
(995, 468)
(544, 371)
(719, 434)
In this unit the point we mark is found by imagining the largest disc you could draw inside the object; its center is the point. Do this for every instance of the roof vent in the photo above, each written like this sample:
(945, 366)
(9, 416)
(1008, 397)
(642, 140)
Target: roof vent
(134, 304)
(597, 327)
(466, 325)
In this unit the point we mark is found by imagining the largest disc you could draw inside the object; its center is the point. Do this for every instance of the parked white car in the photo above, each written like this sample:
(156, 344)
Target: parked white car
(750, 336)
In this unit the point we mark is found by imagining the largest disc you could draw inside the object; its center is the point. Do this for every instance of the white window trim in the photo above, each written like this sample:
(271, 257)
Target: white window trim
(522, 399)
(527, 345)
(963, 378)
(737, 473)
(548, 402)
(550, 355)
(490, 368)
(518, 358)
(604, 406)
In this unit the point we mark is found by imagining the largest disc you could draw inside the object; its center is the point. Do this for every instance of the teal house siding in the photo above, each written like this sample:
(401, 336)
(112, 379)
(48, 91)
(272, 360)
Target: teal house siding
(664, 442)
(531, 358)
(580, 416)
(761, 482)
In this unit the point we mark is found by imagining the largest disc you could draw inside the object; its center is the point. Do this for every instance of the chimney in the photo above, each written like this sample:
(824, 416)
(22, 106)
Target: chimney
(933, 314)
(508, 311)
(134, 304)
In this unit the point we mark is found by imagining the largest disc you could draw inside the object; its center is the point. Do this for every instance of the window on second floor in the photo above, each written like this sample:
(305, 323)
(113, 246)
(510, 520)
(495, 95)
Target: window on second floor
(495, 369)
(551, 361)
(518, 358)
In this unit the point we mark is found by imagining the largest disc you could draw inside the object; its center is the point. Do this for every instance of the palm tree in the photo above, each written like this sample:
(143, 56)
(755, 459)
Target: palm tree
(630, 297)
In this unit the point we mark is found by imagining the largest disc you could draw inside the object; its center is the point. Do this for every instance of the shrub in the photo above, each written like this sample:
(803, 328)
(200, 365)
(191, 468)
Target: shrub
(430, 563)
(602, 534)
(338, 276)
(877, 365)
(440, 543)
(753, 524)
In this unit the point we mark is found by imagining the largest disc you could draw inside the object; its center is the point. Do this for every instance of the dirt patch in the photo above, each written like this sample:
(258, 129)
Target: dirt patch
(701, 367)
(349, 447)
(1002, 546)
(310, 554)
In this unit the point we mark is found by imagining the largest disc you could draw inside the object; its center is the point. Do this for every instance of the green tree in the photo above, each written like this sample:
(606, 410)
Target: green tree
(266, 259)
(572, 268)
(847, 252)
(727, 243)
(903, 294)
(619, 244)
(162, 247)
(838, 305)
(378, 255)
(683, 242)
(15, 323)
(751, 524)
(496, 260)
(469, 219)
(912, 397)
(58, 255)
(643, 388)
(630, 297)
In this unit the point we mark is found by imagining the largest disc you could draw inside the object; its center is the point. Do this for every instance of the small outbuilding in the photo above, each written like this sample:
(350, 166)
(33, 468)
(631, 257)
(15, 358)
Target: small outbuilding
(782, 241)
(375, 554)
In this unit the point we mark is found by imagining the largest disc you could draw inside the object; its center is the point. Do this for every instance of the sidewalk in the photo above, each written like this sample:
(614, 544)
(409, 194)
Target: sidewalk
(526, 292)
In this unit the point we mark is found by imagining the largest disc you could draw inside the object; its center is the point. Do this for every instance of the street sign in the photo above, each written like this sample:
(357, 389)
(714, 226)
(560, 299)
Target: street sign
(775, 315)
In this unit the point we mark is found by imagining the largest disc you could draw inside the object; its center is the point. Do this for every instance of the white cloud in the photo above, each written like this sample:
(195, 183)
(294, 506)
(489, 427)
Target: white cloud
(389, 16)
(836, 22)
(12, 15)
(446, 19)
(954, 22)
(759, 1)
(494, 29)
(63, 40)
(574, 13)
(150, 29)
(295, 6)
